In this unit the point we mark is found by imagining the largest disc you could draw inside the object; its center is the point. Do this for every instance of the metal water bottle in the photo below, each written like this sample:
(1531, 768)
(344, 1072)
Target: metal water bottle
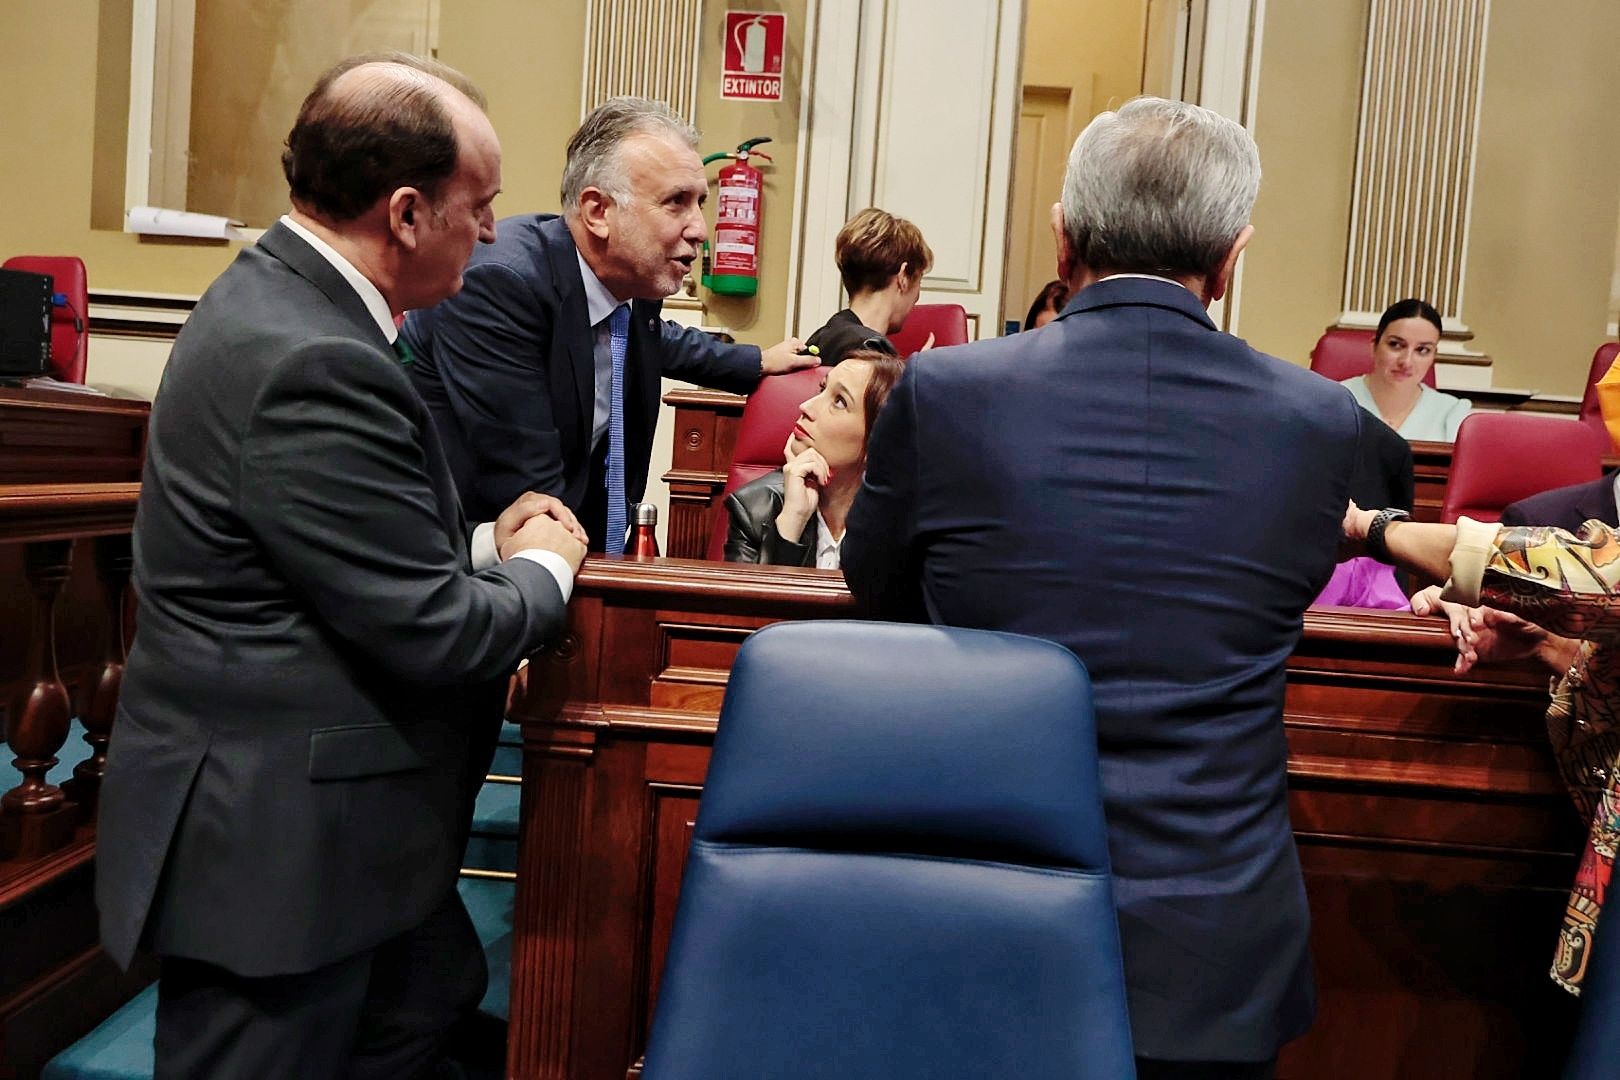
(644, 541)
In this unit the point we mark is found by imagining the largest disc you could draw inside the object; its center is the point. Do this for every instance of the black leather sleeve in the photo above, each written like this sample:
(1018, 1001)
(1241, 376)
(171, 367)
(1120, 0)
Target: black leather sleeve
(752, 536)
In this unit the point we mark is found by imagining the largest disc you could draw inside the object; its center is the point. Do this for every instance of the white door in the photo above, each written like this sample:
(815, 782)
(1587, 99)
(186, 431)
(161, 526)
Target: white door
(913, 107)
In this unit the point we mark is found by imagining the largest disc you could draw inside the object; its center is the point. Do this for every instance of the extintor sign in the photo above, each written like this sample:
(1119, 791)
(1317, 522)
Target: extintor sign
(755, 42)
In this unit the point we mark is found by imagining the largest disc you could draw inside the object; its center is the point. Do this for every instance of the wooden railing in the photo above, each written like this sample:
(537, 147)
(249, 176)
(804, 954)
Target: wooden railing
(68, 470)
(37, 816)
(1436, 838)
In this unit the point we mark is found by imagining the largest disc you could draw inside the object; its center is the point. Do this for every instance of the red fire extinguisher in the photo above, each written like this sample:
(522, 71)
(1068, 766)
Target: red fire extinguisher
(733, 267)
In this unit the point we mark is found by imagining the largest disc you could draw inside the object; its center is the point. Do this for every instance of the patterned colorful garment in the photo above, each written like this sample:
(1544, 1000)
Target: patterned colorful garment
(1570, 585)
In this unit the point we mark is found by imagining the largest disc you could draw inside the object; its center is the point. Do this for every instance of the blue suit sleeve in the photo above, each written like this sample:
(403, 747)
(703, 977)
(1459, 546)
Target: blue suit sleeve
(697, 357)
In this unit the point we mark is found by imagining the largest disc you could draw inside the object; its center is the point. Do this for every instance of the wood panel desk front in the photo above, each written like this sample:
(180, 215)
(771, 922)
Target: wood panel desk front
(1436, 839)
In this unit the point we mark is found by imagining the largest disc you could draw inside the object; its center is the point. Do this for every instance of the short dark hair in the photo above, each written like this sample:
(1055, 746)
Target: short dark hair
(873, 245)
(347, 150)
(1410, 308)
(1052, 297)
(886, 371)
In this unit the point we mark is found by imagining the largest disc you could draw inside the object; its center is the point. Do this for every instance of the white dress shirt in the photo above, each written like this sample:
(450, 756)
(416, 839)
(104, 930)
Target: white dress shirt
(827, 549)
(483, 551)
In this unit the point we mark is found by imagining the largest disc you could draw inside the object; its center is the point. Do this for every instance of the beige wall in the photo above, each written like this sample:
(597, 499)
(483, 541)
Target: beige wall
(1305, 125)
(48, 131)
(1546, 197)
(1093, 47)
(526, 56)
(244, 95)
(1547, 191)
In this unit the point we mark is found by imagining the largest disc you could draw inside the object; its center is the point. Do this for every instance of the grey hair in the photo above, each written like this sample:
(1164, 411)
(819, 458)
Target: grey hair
(1159, 187)
(593, 152)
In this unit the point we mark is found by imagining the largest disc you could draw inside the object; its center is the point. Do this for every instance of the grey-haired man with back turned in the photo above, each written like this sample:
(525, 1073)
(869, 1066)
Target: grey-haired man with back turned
(1164, 501)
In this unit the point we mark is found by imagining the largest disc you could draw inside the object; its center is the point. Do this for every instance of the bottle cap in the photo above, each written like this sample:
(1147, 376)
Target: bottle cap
(646, 513)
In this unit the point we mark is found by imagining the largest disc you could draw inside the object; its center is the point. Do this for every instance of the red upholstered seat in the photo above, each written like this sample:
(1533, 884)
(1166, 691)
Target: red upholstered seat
(1342, 354)
(762, 434)
(70, 335)
(1591, 415)
(947, 322)
(1501, 458)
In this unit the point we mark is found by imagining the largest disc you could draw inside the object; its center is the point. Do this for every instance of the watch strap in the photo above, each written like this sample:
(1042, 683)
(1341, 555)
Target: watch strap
(1375, 532)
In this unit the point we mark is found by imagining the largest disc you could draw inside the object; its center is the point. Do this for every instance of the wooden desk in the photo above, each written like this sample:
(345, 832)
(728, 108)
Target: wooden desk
(1436, 839)
(61, 437)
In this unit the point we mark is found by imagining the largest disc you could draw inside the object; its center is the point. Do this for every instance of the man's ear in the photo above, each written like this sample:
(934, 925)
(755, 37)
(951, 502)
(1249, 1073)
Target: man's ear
(1065, 254)
(593, 209)
(1218, 282)
(405, 209)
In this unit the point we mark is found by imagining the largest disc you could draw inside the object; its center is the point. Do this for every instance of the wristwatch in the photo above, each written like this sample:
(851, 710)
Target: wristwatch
(1375, 532)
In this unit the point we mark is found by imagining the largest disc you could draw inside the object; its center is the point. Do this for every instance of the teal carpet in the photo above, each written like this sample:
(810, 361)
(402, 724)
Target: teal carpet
(73, 751)
(121, 1047)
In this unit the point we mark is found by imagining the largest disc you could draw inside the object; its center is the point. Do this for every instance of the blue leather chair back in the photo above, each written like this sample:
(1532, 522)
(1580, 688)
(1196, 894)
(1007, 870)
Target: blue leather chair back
(899, 869)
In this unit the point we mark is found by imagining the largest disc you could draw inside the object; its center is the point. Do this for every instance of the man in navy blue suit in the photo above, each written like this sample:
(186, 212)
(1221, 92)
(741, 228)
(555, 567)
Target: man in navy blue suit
(1165, 501)
(519, 368)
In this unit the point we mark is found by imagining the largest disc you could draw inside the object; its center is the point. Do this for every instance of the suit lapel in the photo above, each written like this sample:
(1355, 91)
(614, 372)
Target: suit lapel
(288, 247)
(573, 321)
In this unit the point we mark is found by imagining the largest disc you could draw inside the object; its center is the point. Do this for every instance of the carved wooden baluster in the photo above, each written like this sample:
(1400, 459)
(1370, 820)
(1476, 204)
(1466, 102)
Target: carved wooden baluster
(113, 562)
(33, 813)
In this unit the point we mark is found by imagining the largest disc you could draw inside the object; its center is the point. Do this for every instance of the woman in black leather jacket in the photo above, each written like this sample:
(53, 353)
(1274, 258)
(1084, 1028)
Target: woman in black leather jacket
(795, 516)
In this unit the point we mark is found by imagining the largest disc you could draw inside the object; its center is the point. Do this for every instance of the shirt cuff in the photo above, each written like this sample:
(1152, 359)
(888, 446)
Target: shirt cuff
(1469, 556)
(484, 554)
(556, 564)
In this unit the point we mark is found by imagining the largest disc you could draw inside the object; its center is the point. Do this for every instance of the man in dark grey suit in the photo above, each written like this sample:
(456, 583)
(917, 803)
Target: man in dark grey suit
(518, 368)
(313, 696)
(1166, 502)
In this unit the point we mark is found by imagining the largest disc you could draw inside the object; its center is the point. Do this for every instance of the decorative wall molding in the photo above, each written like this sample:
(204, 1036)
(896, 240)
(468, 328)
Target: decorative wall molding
(1411, 200)
(890, 125)
(1223, 65)
(643, 47)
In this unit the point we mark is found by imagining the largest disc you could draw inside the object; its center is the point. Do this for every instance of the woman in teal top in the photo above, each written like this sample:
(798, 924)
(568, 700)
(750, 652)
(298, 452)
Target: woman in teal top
(1403, 352)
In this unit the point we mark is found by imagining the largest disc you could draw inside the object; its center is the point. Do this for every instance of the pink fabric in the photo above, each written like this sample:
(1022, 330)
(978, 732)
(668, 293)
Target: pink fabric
(1364, 583)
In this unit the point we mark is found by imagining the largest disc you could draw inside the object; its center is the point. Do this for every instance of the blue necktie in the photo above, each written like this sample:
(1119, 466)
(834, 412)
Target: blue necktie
(617, 509)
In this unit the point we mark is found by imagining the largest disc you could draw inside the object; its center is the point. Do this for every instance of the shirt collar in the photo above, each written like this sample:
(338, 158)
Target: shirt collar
(599, 303)
(1146, 277)
(369, 294)
(824, 537)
